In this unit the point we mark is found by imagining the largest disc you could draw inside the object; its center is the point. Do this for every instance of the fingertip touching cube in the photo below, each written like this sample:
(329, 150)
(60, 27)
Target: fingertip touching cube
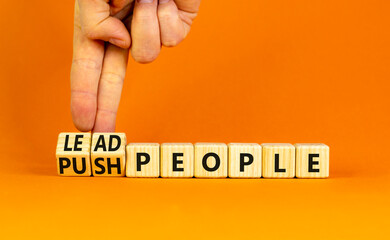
(73, 154)
(108, 155)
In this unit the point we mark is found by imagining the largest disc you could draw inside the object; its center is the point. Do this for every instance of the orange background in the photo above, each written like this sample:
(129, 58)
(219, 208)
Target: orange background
(250, 71)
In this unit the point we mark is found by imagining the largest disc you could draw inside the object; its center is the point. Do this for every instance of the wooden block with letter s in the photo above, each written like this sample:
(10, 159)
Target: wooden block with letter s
(312, 160)
(73, 154)
(108, 155)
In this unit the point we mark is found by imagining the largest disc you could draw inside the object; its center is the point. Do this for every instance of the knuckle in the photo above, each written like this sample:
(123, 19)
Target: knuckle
(172, 38)
(89, 32)
(143, 17)
(172, 41)
(112, 78)
(166, 15)
(87, 63)
(106, 111)
(82, 98)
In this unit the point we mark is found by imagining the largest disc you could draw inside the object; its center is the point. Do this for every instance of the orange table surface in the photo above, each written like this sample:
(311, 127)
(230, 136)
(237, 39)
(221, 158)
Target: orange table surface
(249, 71)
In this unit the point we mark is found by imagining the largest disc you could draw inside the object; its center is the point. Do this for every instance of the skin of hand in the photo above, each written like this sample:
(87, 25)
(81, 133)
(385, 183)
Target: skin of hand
(104, 31)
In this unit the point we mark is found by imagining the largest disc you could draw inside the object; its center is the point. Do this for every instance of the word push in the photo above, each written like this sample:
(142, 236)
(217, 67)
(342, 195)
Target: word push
(106, 154)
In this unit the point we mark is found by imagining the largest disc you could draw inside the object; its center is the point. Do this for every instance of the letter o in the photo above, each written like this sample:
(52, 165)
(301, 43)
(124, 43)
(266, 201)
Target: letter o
(217, 162)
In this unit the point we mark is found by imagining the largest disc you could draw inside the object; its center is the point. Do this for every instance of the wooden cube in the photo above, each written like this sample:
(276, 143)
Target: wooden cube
(108, 155)
(278, 160)
(73, 154)
(177, 160)
(312, 160)
(244, 160)
(211, 160)
(143, 160)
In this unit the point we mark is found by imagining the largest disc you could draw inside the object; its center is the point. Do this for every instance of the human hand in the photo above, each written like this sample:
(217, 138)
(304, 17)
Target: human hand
(104, 30)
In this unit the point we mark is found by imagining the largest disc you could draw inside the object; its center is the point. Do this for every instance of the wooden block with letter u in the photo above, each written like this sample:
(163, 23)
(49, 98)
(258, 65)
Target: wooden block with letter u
(143, 160)
(278, 160)
(211, 160)
(312, 160)
(177, 160)
(73, 154)
(108, 156)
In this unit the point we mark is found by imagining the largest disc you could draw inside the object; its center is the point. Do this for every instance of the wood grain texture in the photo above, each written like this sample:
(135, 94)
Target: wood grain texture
(173, 168)
(150, 169)
(318, 167)
(252, 170)
(107, 162)
(285, 152)
(74, 158)
(207, 153)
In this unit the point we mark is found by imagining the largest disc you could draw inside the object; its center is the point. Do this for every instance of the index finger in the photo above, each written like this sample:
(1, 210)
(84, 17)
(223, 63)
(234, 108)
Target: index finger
(85, 73)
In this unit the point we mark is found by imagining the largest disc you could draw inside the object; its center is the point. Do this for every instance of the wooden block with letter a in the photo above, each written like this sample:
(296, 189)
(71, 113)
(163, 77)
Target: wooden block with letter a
(108, 155)
(244, 160)
(143, 160)
(211, 160)
(177, 160)
(73, 154)
(312, 160)
(278, 160)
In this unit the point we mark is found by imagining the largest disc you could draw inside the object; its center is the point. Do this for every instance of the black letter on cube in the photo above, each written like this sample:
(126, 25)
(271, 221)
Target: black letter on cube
(117, 165)
(62, 165)
(103, 169)
(83, 166)
(217, 162)
(110, 147)
(242, 160)
(312, 162)
(277, 169)
(139, 162)
(176, 161)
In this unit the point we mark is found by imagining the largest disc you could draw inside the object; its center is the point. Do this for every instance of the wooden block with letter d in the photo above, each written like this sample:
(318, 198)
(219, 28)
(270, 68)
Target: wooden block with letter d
(278, 160)
(211, 160)
(108, 156)
(312, 160)
(244, 160)
(177, 160)
(73, 154)
(143, 160)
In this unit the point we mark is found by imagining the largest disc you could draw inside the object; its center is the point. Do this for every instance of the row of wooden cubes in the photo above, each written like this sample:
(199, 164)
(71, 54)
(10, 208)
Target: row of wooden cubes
(106, 154)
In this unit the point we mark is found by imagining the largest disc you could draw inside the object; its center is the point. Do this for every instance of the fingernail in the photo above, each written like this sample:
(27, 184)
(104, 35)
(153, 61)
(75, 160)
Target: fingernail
(117, 42)
(163, 1)
(145, 1)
